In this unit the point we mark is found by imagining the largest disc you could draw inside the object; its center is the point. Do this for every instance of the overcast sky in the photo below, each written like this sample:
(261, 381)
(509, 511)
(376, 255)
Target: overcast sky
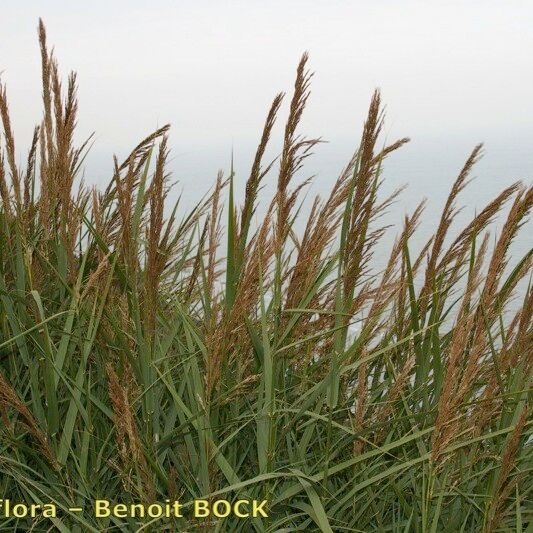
(452, 73)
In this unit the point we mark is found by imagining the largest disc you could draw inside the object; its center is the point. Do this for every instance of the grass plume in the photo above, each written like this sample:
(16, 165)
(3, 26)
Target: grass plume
(149, 351)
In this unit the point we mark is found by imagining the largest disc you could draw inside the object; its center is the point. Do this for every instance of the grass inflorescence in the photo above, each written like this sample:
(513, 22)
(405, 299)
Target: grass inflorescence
(149, 353)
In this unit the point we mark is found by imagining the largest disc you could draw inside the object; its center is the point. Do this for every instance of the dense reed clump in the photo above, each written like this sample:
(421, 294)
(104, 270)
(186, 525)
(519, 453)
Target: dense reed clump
(139, 362)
